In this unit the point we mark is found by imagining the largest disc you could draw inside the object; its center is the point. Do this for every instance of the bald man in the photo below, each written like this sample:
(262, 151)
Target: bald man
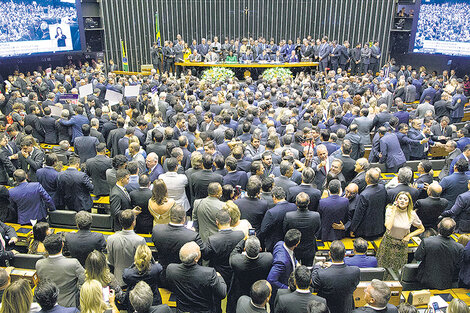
(351, 192)
(430, 208)
(196, 287)
(361, 166)
(154, 169)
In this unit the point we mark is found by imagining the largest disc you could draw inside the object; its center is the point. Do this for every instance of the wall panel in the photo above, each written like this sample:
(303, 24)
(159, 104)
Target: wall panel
(134, 22)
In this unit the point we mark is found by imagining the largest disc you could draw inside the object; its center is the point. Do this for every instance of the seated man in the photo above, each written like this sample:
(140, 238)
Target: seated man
(141, 297)
(259, 297)
(377, 295)
(360, 259)
(46, 294)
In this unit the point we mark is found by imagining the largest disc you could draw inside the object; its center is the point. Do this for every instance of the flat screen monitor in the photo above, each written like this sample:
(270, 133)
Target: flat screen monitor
(37, 27)
(443, 27)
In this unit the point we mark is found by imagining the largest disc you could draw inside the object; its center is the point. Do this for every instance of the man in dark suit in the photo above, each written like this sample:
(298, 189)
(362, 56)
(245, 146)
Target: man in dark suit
(364, 126)
(348, 162)
(333, 210)
(377, 295)
(453, 152)
(201, 180)
(459, 212)
(260, 295)
(436, 272)
(308, 223)
(430, 208)
(357, 147)
(251, 207)
(234, 177)
(336, 282)
(360, 259)
(323, 53)
(81, 243)
(119, 199)
(464, 155)
(30, 158)
(456, 183)
(441, 132)
(361, 166)
(405, 176)
(96, 168)
(374, 58)
(85, 146)
(32, 120)
(391, 153)
(48, 124)
(308, 176)
(197, 288)
(114, 136)
(271, 228)
(321, 165)
(369, 216)
(284, 261)
(283, 181)
(154, 169)
(140, 198)
(73, 188)
(298, 300)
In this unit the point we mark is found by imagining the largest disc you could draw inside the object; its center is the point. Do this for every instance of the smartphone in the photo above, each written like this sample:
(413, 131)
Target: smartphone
(106, 294)
(189, 224)
(420, 186)
(251, 232)
(138, 208)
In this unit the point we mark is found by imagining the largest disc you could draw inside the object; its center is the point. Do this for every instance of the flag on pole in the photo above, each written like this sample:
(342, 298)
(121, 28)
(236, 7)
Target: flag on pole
(125, 64)
(157, 31)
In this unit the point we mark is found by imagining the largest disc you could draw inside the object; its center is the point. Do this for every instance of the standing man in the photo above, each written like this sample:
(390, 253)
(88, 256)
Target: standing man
(356, 60)
(375, 57)
(156, 54)
(96, 169)
(119, 199)
(323, 53)
(377, 295)
(30, 158)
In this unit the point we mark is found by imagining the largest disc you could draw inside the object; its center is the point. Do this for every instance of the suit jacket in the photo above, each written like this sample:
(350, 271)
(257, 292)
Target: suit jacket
(460, 212)
(348, 167)
(131, 276)
(361, 260)
(364, 126)
(282, 267)
(48, 124)
(219, 248)
(168, 240)
(333, 209)
(66, 273)
(81, 243)
(113, 139)
(436, 272)
(95, 133)
(201, 180)
(140, 197)
(204, 213)
(244, 305)
(285, 183)
(448, 161)
(73, 190)
(271, 228)
(417, 149)
(76, 122)
(390, 308)
(436, 131)
(308, 223)
(313, 193)
(295, 302)
(197, 288)
(32, 163)
(33, 121)
(429, 210)
(31, 202)
(360, 181)
(237, 178)
(393, 192)
(96, 169)
(369, 216)
(6, 167)
(176, 185)
(85, 147)
(320, 174)
(252, 210)
(392, 155)
(357, 146)
(336, 284)
(118, 201)
(121, 247)
(452, 186)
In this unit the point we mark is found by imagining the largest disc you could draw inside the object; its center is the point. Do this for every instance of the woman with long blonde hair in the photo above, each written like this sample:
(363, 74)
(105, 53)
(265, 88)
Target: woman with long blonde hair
(91, 298)
(17, 298)
(160, 204)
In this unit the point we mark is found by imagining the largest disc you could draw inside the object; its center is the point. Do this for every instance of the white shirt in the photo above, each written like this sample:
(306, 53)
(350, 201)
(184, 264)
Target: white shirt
(291, 255)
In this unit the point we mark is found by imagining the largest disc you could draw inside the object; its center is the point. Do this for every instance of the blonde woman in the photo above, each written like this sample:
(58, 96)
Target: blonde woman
(399, 217)
(235, 222)
(144, 269)
(160, 204)
(91, 298)
(17, 298)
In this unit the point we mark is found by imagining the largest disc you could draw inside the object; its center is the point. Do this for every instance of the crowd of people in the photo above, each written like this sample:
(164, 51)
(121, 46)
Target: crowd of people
(27, 21)
(236, 181)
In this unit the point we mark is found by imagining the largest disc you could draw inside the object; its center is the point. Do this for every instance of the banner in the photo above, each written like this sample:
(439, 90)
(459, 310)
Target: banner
(157, 31)
(125, 64)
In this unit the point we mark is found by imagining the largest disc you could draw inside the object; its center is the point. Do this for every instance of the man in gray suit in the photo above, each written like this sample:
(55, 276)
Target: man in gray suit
(206, 209)
(451, 148)
(122, 245)
(364, 126)
(284, 181)
(410, 91)
(66, 273)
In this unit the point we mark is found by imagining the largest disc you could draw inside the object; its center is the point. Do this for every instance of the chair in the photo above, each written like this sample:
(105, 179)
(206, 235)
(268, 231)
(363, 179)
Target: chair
(102, 222)
(26, 261)
(409, 277)
(62, 218)
(369, 273)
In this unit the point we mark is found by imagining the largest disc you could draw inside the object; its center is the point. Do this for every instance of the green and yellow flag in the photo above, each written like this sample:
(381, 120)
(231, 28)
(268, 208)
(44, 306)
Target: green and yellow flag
(125, 64)
(158, 38)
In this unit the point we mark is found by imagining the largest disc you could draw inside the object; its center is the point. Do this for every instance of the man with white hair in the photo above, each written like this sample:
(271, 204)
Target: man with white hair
(154, 169)
(321, 164)
(141, 298)
(377, 295)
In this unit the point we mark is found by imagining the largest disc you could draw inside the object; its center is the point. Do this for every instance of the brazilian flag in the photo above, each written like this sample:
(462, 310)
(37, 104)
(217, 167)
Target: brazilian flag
(125, 64)
(157, 31)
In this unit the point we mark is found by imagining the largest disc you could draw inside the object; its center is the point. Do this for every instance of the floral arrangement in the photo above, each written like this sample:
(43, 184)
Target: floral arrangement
(215, 74)
(280, 73)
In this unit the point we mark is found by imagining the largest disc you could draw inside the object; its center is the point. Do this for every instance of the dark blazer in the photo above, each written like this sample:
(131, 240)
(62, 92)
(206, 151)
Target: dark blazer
(73, 190)
(95, 133)
(333, 209)
(113, 139)
(32, 163)
(313, 193)
(81, 243)
(369, 216)
(48, 123)
(131, 277)
(308, 223)
(96, 168)
(118, 201)
(271, 228)
(7, 233)
(6, 167)
(361, 260)
(336, 284)
(196, 287)
(357, 147)
(285, 183)
(200, 181)
(85, 147)
(169, 239)
(295, 302)
(429, 210)
(140, 197)
(219, 248)
(365, 309)
(33, 121)
(282, 267)
(453, 186)
(244, 305)
(31, 202)
(436, 272)
(237, 178)
(320, 174)
(47, 177)
(460, 212)
(253, 210)
(393, 192)
(392, 154)
(360, 181)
